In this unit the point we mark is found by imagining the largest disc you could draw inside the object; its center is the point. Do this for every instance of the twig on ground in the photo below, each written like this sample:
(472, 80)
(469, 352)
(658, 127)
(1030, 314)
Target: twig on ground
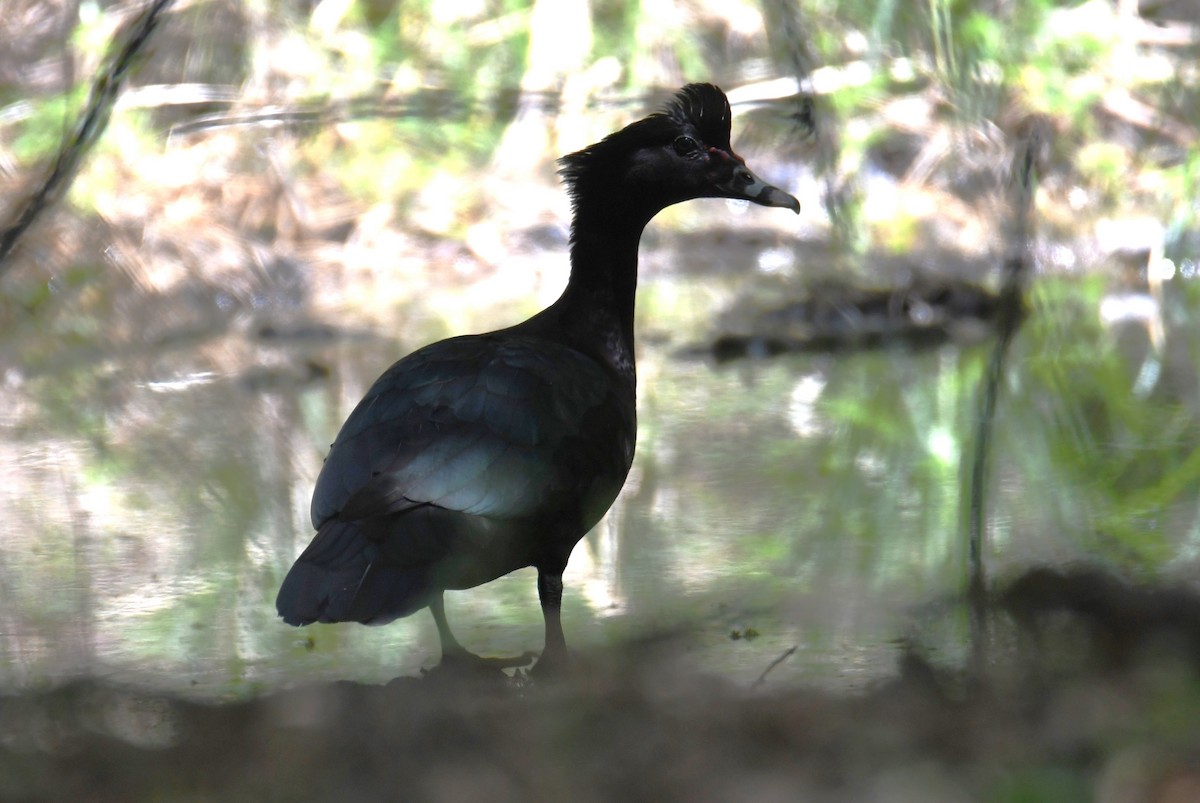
(762, 678)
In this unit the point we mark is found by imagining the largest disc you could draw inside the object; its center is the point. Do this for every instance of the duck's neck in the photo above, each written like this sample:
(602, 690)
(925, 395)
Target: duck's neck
(596, 309)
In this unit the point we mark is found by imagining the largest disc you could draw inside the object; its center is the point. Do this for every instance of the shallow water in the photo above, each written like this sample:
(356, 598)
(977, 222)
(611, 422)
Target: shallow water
(155, 497)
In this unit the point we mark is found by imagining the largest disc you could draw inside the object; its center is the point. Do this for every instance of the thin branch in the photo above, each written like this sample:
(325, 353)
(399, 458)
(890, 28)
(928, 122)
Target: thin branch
(95, 119)
(1029, 153)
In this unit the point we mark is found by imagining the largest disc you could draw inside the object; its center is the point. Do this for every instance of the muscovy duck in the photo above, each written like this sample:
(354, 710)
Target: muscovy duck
(482, 454)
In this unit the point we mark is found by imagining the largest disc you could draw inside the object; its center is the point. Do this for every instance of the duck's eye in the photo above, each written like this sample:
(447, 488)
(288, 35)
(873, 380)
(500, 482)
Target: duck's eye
(686, 146)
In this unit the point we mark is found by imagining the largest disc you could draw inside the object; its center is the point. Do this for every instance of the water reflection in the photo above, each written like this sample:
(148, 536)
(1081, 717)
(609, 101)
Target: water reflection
(155, 497)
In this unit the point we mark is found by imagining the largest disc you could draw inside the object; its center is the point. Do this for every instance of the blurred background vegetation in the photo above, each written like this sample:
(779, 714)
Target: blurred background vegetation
(290, 195)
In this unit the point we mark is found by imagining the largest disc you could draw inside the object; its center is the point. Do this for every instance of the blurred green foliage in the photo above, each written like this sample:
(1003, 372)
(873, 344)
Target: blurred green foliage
(978, 64)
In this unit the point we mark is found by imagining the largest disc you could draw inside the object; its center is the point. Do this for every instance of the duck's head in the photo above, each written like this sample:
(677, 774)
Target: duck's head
(678, 154)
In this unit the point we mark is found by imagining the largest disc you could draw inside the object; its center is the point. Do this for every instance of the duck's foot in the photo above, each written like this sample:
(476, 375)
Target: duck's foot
(553, 665)
(469, 666)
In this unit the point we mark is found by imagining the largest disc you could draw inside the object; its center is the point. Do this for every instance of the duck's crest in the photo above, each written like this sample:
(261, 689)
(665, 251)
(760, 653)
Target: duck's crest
(705, 107)
(701, 108)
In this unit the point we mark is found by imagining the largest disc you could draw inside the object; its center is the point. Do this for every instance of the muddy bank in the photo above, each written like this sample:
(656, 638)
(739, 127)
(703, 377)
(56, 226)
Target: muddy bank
(1055, 715)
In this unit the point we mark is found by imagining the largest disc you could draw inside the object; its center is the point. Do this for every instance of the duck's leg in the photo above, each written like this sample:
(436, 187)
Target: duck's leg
(455, 655)
(450, 645)
(550, 591)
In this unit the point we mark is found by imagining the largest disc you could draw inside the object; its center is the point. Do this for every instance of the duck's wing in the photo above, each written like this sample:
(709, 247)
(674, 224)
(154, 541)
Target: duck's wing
(490, 425)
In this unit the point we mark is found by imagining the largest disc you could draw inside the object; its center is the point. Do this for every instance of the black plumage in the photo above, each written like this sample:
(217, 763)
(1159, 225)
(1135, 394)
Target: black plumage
(482, 454)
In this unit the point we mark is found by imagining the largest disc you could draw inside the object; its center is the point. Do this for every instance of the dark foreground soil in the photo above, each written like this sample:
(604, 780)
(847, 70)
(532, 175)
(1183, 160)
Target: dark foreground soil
(1097, 699)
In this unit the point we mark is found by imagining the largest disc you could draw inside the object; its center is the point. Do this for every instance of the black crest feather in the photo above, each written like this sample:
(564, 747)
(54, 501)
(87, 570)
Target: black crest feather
(702, 109)
(705, 107)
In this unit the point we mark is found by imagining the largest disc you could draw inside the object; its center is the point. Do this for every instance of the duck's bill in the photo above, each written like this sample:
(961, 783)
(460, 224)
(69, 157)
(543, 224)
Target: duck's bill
(746, 185)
